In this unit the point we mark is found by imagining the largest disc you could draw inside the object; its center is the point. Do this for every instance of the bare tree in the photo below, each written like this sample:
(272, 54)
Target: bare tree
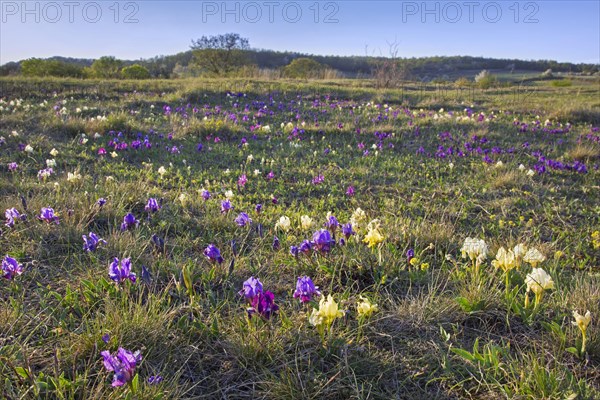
(220, 54)
(388, 71)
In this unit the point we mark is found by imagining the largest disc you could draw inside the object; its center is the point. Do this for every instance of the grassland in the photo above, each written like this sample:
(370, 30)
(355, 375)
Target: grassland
(434, 164)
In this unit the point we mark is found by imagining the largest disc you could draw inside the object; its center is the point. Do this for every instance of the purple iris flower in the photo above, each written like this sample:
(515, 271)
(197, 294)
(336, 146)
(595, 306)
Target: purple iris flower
(306, 246)
(199, 147)
(347, 230)
(44, 173)
(159, 242)
(332, 223)
(350, 191)
(258, 208)
(11, 214)
(539, 168)
(129, 222)
(213, 253)
(271, 175)
(252, 287)
(146, 275)
(152, 205)
(318, 179)
(322, 241)
(91, 243)
(294, 250)
(47, 214)
(226, 206)
(10, 268)
(155, 380)
(276, 243)
(101, 201)
(243, 219)
(263, 304)
(120, 273)
(410, 254)
(305, 289)
(205, 195)
(12, 167)
(106, 338)
(122, 364)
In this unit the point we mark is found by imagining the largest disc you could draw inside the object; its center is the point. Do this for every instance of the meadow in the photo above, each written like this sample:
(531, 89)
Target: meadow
(244, 239)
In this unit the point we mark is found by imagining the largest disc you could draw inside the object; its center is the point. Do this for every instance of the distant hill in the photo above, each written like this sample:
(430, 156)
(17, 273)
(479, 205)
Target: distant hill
(423, 68)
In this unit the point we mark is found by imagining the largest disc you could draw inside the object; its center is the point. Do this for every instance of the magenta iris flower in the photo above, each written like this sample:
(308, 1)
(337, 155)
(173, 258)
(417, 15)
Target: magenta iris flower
(226, 206)
(322, 241)
(12, 167)
(10, 268)
(91, 243)
(318, 179)
(305, 289)
(47, 214)
(243, 219)
(242, 180)
(120, 273)
(152, 205)
(271, 175)
(350, 191)
(129, 222)
(251, 288)
(122, 364)
(213, 253)
(263, 304)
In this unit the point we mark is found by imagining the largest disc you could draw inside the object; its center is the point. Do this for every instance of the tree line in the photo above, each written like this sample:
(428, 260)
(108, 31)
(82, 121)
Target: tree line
(230, 54)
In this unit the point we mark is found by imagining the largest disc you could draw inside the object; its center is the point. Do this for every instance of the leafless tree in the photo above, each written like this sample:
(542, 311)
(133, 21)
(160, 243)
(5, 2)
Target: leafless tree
(388, 71)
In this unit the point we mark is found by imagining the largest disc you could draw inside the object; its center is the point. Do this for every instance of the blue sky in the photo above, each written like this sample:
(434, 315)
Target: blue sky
(557, 30)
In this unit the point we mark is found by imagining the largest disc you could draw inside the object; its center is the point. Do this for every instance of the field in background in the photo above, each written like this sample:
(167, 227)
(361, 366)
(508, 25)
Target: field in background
(434, 163)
